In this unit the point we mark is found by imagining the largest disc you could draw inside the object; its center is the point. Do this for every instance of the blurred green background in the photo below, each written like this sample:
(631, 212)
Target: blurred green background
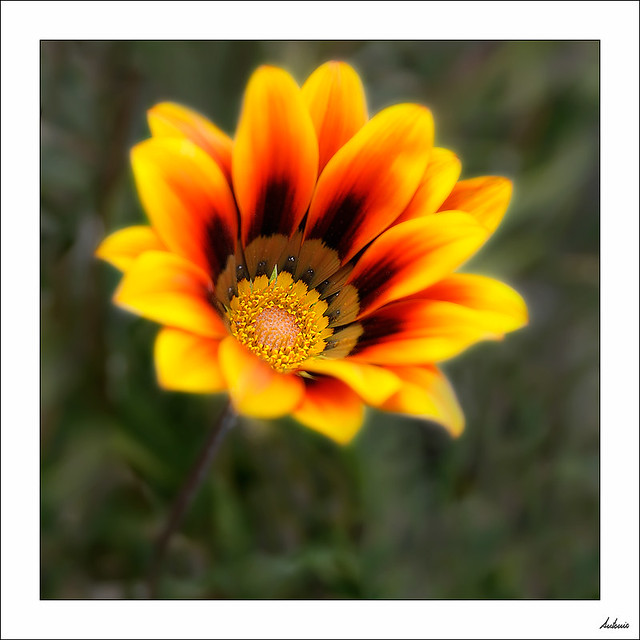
(509, 510)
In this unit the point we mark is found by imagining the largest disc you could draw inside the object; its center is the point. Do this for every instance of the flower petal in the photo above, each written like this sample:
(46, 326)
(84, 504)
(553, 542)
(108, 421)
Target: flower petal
(426, 393)
(332, 408)
(437, 182)
(187, 362)
(172, 120)
(423, 331)
(373, 384)
(371, 179)
(122, 247)
(485, 198)
(254, 387)
(413, 255)
(500, 305)
(172, 291)
(187, 199)
(335, 98)
(275, 156)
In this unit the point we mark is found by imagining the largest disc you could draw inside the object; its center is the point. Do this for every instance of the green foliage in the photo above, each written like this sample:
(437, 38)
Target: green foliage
(509, 510)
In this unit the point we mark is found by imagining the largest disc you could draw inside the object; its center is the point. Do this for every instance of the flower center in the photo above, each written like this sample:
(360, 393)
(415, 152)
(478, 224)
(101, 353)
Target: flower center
(280, 321)
(276, 328)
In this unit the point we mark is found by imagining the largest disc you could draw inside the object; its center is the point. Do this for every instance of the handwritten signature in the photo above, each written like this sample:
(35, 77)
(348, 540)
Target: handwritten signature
(613, 625)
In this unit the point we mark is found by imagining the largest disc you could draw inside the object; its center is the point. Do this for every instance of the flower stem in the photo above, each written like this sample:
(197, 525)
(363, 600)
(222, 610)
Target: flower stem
(198, 472)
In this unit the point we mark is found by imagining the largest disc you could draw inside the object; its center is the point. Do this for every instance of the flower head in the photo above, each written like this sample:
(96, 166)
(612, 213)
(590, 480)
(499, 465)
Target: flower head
(306, 266)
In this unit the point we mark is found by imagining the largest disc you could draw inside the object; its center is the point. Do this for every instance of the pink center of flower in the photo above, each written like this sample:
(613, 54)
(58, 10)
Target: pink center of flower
(279, 320)
(276, 328)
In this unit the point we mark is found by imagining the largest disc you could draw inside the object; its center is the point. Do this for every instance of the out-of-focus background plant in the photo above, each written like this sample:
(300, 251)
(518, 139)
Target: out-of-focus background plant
(510, 510)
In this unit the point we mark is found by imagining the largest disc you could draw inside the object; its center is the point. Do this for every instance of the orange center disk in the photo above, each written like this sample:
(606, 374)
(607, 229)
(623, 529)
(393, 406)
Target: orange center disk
(279, 320)
(276, 328)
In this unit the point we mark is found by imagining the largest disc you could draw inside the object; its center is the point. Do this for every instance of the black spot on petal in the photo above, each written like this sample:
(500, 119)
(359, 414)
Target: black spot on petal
(376, 329)
(338, 225)
(274, 212)
(290, 265)
(261, 268)
(370, 284)
(218, 244)
(321, 288)
(307, 276)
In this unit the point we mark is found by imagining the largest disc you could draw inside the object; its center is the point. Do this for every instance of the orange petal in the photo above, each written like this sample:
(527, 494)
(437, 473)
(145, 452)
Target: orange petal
(171, 120)
(437, 182)
(332, 408)
(423, 331)
(187, 362)
(371, 179)
(170, 290)
(502, 307)
(275, 156)
(335, 98)
(413, 255)
(485, 198)
(254, 387)
(373, 384)
(426, 393)
(121, 248)
(187, 199)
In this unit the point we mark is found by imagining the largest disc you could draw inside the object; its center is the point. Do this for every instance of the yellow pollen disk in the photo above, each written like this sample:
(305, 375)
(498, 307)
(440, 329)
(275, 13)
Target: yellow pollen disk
(279, 320)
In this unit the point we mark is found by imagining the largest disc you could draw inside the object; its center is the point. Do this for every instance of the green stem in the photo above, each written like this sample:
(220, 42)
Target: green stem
(188, 491)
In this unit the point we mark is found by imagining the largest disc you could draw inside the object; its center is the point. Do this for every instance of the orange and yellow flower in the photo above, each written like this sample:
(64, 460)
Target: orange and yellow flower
(306, 267)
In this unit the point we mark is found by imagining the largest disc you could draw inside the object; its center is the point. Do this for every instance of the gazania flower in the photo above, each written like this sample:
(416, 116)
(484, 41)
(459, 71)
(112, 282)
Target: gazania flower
(306, 266)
